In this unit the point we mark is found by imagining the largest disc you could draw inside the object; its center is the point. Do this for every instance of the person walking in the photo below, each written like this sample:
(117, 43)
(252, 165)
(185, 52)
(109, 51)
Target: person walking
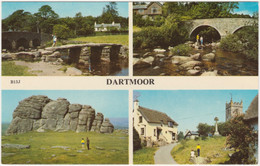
(83, 143)
(88, 143)
(198, 149)
(54, 38)
(201, 40)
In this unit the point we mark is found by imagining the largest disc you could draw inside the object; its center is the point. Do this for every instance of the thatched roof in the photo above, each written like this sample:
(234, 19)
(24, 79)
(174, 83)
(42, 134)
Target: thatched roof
(153, 116)
(252, 111)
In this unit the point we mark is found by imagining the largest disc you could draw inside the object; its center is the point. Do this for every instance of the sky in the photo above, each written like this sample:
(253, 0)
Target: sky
(113, 104)
(63, 9)
(247, 8)
(191, 107)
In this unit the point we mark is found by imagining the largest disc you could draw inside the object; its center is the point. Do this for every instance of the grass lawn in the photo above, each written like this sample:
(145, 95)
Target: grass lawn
(209, 148)
(144, 156)
(136, 29)
(10, 69)
(112, 148)
(117, 39)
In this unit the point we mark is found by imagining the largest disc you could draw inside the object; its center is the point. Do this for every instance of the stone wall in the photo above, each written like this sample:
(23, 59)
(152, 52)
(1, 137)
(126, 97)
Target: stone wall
(41, 113)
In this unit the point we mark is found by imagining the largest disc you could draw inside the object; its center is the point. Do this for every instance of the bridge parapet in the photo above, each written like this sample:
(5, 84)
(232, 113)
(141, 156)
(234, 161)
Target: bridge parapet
(224, 26)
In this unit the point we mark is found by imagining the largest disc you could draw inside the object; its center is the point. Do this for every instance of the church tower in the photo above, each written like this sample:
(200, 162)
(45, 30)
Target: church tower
(233, 109)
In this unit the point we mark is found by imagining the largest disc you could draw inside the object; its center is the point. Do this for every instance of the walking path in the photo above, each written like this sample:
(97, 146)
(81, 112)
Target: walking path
(163, 155)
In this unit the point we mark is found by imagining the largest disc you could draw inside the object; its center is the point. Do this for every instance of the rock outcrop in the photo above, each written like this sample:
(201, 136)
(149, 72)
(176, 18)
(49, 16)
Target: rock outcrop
(40, 113)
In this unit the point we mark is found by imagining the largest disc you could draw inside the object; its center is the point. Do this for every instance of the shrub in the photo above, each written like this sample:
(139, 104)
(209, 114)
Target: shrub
(231, 43)
(181, 50)
(62, 31)
(136, 140)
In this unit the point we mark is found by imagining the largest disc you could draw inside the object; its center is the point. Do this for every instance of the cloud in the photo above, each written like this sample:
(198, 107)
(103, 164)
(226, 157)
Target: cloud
(245, 12)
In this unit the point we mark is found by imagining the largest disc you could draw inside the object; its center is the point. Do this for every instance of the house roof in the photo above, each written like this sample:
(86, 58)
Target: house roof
(153, 116)
(189, 133)
(145, 6)
(252, 111)
(107, 25)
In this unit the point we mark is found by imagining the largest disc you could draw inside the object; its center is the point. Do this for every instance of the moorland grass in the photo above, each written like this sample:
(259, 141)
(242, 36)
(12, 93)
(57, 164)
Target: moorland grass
(144, 155)
(209, 148)
(116, 39)
(10, 69)
(105, 148)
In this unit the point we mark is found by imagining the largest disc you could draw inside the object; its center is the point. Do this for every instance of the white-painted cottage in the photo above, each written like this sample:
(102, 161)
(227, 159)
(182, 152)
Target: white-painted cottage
(153, 125)
(106, 27)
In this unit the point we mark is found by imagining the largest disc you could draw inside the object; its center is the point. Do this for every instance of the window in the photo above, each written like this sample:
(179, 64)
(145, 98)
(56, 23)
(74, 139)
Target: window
(140, 119)
(142, 131)
(141, 11)
(154, 10)
(154, 132)
(170, 124)
(162, 123)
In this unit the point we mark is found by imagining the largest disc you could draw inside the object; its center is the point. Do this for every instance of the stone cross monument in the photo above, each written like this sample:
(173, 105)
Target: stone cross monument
(216, 133)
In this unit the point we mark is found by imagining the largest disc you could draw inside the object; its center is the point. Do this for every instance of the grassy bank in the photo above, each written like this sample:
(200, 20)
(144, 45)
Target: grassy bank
(10, 69)
(144, 156)
(105, 148)
(211, 147)
(117, 39)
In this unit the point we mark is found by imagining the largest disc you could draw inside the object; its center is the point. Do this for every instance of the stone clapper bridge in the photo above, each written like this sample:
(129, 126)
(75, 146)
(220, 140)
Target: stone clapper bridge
(95, 51)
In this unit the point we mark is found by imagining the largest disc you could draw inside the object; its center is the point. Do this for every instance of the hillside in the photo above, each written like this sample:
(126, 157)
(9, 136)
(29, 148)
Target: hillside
(211, 148)
(104, 148)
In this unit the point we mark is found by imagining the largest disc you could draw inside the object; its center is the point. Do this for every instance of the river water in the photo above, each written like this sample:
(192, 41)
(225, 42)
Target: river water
(226, 63)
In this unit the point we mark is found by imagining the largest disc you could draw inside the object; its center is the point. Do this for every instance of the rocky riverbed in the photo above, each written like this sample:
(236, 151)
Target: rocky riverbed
(208, 60)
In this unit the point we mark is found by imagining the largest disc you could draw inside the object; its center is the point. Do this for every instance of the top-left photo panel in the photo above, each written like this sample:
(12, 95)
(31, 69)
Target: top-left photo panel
(65, 39)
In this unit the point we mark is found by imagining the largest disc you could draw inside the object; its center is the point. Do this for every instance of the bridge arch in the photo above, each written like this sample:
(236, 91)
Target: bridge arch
(208, 38)
(6, 44)
(36, 42)
(22, 42)
(240, 27)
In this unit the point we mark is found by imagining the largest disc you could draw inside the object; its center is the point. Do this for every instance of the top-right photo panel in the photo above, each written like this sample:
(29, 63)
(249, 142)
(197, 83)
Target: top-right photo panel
(195, 38)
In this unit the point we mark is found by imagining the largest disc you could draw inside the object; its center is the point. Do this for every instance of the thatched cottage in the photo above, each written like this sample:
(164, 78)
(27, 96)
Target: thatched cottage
(153, 126)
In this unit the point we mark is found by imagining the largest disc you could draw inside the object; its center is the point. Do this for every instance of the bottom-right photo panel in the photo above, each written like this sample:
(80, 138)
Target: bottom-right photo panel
(195, 126)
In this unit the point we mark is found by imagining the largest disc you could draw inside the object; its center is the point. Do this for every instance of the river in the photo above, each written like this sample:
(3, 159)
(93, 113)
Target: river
(226, 63)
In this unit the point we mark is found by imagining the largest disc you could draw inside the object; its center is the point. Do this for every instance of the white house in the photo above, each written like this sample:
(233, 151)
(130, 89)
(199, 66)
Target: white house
(191, 134)
(106, 27)
(153, 125)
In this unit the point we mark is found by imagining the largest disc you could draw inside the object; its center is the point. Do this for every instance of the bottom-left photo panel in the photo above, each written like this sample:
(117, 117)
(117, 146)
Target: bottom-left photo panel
(65, 127)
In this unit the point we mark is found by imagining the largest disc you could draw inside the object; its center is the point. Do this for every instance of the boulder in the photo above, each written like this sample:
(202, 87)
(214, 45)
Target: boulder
(181, 59)
(190, 65)
(147, 54)
(107, 127)
(195, 56)
(7, 56)
(72, 71)
(193, 72)
(136, 55)
(39, 113)
(159, 50)
(16, 146)
(44, 52)
(208, 57)
(142, 63)
(25, 56)
(160, 55)
(210, 73)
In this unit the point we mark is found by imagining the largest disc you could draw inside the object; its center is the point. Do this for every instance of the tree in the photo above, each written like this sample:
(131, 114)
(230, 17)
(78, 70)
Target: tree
(244, 140)
(62, 31)
(136, 140)
(204, 129)
(18, 21)
(109, 13)
(47, 18)
(180, 136)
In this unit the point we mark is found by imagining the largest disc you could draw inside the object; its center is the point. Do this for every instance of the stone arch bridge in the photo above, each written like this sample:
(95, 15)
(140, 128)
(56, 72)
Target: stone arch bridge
(224, 26)
(14, 40)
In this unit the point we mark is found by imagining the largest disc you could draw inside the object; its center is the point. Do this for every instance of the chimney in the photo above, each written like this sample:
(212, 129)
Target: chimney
(113, 23)
(95, 23)
(136, 104)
